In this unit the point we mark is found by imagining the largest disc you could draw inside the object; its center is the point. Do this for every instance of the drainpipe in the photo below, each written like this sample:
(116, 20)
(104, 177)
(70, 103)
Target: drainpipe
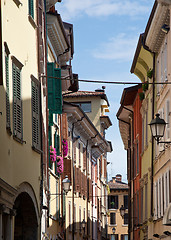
(153, 99)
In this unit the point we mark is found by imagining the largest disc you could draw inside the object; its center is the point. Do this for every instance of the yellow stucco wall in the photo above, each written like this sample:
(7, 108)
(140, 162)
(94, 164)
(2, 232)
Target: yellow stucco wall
(19, 163)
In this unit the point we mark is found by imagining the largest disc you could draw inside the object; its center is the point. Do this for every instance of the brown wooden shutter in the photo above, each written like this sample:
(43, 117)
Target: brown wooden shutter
(85, 183)
(67, 168)
(84, 158)
(17, 103)
(74, 149)
(36, 114)
(105, 168)
(64, 126)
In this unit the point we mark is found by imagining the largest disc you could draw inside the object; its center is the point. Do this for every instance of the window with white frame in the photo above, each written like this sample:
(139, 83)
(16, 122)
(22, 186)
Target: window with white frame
(167, 119)
(161, 194)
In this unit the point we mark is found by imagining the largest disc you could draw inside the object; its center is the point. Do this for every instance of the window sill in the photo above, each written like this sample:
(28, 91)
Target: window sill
(9, 131)
(37, 150)
(31, 20)
(18, 3)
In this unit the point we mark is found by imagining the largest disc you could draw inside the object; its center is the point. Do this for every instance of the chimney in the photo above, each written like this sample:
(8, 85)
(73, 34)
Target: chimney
(118, 177)
(113, 179)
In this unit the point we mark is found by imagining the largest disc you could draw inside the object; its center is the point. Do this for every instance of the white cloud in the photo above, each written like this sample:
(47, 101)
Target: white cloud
(74, 8)
(120, 47)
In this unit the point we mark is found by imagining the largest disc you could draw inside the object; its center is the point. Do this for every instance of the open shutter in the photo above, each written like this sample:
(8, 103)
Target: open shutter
(84, 158)
(54, 89)
(17, 103)
(35, 115)
(31, 8)
(168, 119)
(8, 122)
(50, 143)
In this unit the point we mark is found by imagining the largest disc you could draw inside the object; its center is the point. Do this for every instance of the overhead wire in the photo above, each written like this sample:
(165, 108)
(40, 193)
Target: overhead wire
(109, 82)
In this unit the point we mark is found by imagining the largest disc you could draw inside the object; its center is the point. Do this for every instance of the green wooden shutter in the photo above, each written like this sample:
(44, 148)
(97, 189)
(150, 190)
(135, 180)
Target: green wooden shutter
(50, 144)
(50, 119)
(35, 115)
(54, 89)
(17, 103)
(64, 205)
(8, 122)
(57, 146)
(31, 8)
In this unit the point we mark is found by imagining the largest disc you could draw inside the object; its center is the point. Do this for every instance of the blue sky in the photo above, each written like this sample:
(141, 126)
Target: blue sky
(105, 38)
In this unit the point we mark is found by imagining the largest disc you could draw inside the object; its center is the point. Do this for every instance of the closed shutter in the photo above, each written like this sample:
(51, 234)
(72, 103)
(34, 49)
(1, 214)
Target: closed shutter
(57, 143)
(17, 103)
(50, 118)
(8, 122)
(161, 196)
(36, 115)
(54, 89)
(84, 158)
(168, 119)
(57, 147)
(31, 8)
(50, 144)
(64, 126)
(155, 201)
(67, 168)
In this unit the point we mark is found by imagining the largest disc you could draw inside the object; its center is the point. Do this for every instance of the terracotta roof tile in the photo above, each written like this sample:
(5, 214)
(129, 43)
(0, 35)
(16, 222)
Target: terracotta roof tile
(118, 185)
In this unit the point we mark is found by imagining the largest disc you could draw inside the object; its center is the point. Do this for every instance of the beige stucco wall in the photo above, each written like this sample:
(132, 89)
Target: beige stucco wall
(19, 163)
(120, 227)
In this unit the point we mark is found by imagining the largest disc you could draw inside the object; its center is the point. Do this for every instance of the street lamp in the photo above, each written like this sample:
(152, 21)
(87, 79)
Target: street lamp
(157, 127)
(122, 211)
(113, 230)
(66, 184)
(83, 226)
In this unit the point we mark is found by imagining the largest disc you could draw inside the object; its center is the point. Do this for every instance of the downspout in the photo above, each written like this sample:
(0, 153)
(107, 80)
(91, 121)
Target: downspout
(153, 99)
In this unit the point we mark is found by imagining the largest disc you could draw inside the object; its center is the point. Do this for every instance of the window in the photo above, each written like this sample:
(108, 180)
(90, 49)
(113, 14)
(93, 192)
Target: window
(54, 89)
(146, 202)
(35, 93)
(126, 201)
(161, 194)
(112, 218)
(70, 225)
(113, 202)
(125, 218)
(137, 158)
(31, 8)
(124, 236)
(17, 101)
(80, 218)
(114, 237)
(168, 119)
(86, 106)
(8, 121)
(142, 134)
(146, 129)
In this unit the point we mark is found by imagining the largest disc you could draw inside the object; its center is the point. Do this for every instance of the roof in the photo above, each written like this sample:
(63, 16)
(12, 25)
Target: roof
(117, 185)
(97, 93)
(142, 38)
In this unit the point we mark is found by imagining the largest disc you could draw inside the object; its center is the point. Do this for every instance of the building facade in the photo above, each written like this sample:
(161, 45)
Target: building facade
(21, 136)
(117, 198)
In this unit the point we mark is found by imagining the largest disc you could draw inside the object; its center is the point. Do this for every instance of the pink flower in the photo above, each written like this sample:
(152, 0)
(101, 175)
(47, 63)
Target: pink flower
(52, 154)
(65, 147)
(60, 165)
